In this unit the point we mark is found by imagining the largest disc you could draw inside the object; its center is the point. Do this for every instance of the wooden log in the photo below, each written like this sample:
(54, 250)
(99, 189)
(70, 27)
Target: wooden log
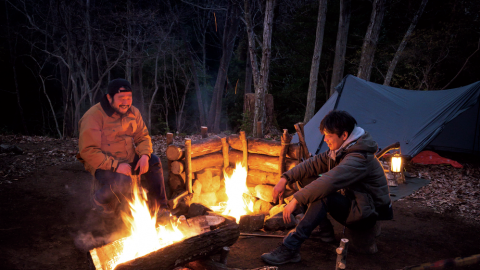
(207, 161)
(264, 147)
(260, 162)
(176, 182)
(173, 203)
(283, 152)
(225, 152)
(169, 138)
(301, 139)
(259, 130)
(188, 162)
(177, 167)
(258, 177)
(204, 132)
(176, 254)
(243, 139)
(199, 148)
(224, 255)
(342, 254)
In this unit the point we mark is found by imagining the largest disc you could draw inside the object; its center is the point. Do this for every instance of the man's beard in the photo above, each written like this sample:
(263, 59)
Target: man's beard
(117, 110)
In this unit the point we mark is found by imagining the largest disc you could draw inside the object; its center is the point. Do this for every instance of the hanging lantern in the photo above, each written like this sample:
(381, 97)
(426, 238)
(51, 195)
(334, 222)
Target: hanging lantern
(396, 163)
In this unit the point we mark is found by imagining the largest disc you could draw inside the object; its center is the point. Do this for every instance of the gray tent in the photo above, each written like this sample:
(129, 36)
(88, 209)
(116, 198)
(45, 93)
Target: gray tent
(447, 120)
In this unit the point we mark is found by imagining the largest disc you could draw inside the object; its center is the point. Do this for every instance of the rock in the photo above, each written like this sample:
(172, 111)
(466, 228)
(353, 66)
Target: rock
(276, 223)
(251, 222)
(208, 198)
(222, 195)
(261, 207)
(264, 192)
(197, 210)
(277, 209)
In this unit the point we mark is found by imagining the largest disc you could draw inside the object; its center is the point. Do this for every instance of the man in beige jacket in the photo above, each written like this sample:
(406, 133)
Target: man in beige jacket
(114, 144)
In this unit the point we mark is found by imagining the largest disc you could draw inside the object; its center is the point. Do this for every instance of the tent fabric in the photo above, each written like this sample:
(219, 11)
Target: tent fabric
(429, 157)
(412, 117)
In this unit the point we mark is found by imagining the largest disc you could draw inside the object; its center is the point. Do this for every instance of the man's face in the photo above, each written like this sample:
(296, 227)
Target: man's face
(121, 102)
(333, 141)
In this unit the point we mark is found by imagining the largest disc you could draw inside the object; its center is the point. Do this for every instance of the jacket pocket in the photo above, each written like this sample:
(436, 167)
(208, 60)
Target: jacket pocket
(362, 207)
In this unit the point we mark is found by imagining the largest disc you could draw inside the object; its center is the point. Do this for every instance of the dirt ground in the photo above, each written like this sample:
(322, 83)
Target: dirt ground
(47, 222)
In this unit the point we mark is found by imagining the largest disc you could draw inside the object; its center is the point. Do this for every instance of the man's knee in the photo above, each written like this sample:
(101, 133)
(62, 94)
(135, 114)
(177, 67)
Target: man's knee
(154, 161)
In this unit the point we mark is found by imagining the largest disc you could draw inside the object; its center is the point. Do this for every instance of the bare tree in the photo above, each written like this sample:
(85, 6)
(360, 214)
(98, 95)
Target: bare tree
(341, 45)
(403, 43)
(371, 39)
(260, 77)
(312, 86)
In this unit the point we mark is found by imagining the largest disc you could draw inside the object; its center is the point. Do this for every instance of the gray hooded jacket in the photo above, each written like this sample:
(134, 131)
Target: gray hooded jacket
(353, 168)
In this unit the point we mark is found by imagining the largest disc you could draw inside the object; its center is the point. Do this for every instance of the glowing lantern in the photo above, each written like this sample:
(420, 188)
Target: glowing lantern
(396, 163)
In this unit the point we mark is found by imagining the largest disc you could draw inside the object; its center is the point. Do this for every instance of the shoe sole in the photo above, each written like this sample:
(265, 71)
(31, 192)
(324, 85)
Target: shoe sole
(293, 260)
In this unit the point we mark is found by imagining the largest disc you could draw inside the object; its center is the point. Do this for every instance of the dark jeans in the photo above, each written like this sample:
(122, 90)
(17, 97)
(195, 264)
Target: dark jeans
(316, 215)
(116, 186)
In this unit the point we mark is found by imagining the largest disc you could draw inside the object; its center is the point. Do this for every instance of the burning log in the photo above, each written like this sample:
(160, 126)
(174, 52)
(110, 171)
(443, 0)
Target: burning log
(176, 254)
(261, 162)
(199, 148)
(264, 147)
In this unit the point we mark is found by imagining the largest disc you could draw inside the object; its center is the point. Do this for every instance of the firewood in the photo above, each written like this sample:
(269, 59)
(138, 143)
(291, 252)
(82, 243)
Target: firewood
(199, 148)
(258, 177)
(243, 139)
(176, 254)
(169, 138)
(177, 167)
(188, 162)
(207, 161)
(176, 182)
(342, 254)
(260, 162)
(264, 147)
(259, 130)
(283, 152)
(204, 132)
(225, 152)
(301, 139)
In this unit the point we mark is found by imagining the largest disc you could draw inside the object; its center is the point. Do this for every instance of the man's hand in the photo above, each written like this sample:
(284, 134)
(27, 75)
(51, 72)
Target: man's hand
(278, 190)
(124, 168)
(287, 212)
(142, 164)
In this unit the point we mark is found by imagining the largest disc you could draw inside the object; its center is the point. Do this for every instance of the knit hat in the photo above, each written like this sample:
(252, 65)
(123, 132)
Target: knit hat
(115, 85)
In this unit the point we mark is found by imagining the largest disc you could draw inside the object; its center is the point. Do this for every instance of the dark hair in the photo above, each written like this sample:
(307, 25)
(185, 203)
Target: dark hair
(338, 122)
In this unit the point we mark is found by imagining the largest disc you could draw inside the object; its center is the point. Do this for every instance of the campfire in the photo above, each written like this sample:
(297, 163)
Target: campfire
(235, 188)
(148, 244)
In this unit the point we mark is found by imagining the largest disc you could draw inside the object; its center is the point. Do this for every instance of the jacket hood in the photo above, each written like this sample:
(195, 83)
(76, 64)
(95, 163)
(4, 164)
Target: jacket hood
(359, 140)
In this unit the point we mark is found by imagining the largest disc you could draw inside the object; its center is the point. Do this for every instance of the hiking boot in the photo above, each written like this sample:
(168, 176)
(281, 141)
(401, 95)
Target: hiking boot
(281, 255)
(107, 209)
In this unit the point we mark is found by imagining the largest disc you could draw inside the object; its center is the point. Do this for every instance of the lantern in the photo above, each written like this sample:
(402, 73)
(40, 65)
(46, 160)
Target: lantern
(396, 163)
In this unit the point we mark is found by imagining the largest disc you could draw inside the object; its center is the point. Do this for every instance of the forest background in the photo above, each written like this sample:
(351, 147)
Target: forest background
(190, 61)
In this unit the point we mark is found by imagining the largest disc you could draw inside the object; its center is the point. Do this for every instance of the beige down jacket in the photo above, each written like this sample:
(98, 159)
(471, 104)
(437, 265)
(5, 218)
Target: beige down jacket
(107, 138)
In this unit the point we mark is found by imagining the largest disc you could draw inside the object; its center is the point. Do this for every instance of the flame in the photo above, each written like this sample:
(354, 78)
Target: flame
(145, 236)
(236, 186)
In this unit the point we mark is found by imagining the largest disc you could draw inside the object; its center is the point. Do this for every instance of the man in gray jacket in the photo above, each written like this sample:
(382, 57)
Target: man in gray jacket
(349, 183)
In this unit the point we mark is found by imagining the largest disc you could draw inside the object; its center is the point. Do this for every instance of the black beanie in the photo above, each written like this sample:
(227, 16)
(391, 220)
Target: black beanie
(115, 85)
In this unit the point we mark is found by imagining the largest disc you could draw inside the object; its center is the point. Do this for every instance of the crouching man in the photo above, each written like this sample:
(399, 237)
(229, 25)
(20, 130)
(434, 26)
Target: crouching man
(114, 144)
(349, 183)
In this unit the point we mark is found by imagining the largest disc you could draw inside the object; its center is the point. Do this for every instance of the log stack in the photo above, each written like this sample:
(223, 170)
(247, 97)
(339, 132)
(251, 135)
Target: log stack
(266, 160)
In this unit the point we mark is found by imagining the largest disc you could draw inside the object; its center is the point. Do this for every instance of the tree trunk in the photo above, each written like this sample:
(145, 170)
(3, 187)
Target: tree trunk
(198, 91)
(341, 45)
(259, 114)
(229, 35)
(312, 87)
(394, 62)
(248, 75)
(371, 39)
